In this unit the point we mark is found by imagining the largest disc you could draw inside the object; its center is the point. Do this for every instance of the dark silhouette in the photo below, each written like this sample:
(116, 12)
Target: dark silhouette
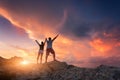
(41, 49)
(49, 48)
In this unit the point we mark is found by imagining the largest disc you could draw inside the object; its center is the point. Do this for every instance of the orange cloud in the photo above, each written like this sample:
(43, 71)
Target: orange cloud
(31, 25)
(103, 48)
(99, 45)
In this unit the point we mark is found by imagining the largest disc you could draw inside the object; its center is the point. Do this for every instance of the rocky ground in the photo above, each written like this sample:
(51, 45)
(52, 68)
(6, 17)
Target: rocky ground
(56, 70)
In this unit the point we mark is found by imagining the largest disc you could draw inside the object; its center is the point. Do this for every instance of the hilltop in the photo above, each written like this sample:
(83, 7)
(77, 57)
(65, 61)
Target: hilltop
(54, 70)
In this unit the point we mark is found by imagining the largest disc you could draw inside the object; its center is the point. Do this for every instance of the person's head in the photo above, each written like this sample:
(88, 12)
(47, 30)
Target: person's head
(49, 38)
(41, 42)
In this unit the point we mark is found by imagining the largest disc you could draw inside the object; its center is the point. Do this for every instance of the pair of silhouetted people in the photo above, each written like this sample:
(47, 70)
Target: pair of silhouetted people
(49, 49)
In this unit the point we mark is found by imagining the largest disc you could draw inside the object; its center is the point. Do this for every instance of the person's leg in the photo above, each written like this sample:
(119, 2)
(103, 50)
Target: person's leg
(38, 57)
(47, 53)
(41, 57)
(53, 52)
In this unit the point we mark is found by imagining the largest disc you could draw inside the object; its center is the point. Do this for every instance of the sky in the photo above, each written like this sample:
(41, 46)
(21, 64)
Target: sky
(89, 30)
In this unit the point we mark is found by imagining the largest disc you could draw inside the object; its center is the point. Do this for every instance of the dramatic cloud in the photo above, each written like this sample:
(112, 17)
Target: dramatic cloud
(36, 22)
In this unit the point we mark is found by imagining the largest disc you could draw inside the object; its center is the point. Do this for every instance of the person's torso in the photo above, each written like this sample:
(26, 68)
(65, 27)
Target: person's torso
(49, 44)
(41, 47)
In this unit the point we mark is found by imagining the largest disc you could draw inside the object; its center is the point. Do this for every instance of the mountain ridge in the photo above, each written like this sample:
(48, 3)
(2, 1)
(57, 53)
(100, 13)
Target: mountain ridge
(56, 70)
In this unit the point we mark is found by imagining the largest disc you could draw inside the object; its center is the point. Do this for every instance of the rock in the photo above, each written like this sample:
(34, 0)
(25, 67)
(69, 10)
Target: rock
(56, 70)
(56, 65)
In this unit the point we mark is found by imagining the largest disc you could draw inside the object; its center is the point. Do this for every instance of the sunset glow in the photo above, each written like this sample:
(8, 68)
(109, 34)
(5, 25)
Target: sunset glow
(88, 30)
(25, 62)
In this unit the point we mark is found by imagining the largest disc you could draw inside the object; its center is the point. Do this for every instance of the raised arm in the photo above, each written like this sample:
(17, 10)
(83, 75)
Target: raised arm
(37, 42)
(45, 41)
(55, 37)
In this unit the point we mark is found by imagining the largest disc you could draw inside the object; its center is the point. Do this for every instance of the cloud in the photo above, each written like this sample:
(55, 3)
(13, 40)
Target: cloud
(23, 51)
(37, 23)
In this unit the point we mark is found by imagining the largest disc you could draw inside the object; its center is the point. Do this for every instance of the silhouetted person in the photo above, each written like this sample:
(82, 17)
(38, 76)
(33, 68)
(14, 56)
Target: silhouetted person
(49, 48)
(41, 49)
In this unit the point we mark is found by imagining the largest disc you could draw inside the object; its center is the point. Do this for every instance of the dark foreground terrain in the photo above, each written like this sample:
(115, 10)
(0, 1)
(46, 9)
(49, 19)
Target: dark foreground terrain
(10, 69)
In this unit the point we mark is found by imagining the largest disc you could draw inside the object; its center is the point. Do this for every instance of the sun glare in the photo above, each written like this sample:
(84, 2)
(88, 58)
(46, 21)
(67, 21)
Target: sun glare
(25, 62)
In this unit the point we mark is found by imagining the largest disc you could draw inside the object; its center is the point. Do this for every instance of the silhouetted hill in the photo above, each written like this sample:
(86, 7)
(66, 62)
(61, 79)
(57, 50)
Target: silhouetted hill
(56, 70)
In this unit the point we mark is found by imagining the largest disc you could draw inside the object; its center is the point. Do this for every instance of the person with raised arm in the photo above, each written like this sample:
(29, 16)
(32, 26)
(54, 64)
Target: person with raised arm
(41, 50)
(50, 48)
